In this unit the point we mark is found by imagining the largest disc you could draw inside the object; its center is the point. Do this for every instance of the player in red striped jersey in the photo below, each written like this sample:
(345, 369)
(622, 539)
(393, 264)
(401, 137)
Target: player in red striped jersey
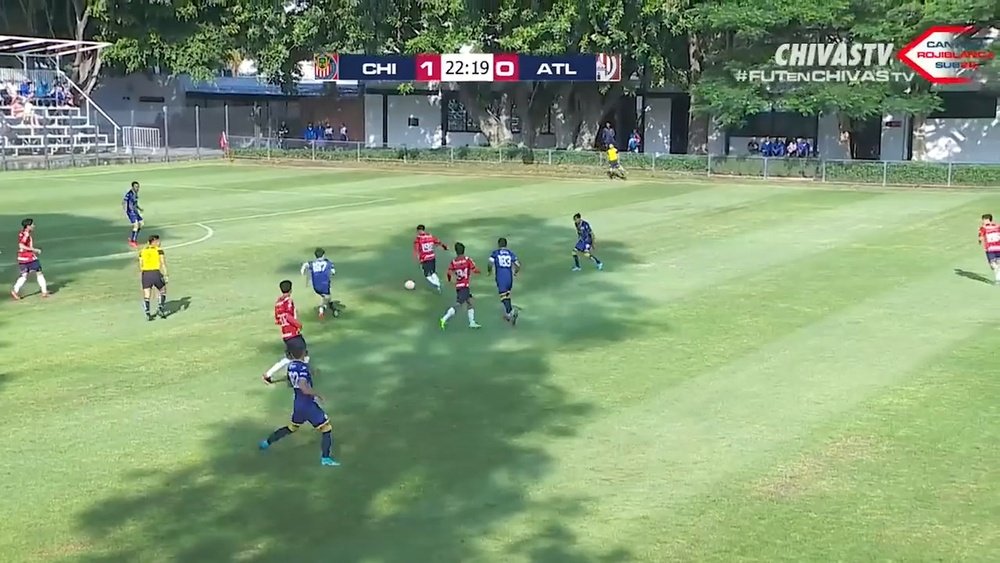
(27, 260)
(461, 268)
(989, 237)
(287, 318)
(423, 249)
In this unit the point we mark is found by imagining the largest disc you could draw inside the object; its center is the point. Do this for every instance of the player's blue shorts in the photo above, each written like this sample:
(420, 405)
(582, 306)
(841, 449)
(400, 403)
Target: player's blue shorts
(992, 257)
(582, 246)
(27, 267)
(323, 290)
(134, 218)
(308, 412)
(504, 284)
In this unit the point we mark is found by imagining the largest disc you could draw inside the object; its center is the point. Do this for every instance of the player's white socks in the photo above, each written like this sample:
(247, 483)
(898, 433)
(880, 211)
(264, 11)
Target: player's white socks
(448, 314)
(996, 274)
(434, 280)
(472, 316)
(278, 366)
(42, 284)
(20, 283)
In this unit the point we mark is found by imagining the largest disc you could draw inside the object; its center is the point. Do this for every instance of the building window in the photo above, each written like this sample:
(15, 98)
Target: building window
(459, 119)
(546, 124)
(966, 105)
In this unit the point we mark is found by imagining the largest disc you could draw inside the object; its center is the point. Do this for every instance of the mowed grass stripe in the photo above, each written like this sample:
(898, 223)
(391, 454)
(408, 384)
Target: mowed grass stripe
(917, 464)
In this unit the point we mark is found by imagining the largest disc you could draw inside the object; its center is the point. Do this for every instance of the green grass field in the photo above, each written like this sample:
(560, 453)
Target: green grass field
(761, 373)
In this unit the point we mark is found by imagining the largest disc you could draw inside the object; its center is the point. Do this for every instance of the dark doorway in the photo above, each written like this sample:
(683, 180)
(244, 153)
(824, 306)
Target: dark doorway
(680, 108)
(866, 138)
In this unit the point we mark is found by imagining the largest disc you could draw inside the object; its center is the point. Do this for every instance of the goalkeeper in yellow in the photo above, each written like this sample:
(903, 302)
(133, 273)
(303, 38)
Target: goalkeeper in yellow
(614, 165)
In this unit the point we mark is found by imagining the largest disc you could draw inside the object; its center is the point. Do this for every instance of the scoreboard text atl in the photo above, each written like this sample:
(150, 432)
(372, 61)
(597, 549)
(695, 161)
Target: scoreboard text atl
(469, 67)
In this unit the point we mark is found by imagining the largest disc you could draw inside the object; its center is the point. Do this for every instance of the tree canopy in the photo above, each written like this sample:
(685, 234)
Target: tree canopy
(691, 45)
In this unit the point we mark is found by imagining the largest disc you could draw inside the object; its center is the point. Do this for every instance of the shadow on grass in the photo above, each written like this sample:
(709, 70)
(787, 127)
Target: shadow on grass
(972, 276)
(441, 435)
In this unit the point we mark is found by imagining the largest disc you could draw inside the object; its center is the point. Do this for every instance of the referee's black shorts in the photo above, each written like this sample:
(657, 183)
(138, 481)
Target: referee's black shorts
(153, 278)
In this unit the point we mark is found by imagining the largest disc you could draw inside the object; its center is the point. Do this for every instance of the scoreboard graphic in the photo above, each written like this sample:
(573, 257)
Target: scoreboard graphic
(469, 67)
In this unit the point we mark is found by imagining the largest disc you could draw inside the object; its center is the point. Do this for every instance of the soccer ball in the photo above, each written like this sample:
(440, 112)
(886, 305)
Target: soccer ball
(410, 285)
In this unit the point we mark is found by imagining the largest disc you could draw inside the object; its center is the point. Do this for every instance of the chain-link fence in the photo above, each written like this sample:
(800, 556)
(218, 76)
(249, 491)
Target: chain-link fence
(245, 132)
(868, 172)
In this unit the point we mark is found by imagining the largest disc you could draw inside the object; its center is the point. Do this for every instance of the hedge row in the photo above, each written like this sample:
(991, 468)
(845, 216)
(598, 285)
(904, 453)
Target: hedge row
(855, 172)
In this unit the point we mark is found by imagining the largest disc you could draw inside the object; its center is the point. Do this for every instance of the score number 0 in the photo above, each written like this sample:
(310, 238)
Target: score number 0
(430, 67)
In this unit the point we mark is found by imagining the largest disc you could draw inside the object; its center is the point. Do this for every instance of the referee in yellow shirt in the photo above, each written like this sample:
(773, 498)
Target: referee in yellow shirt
(614, 166)
(153, 273)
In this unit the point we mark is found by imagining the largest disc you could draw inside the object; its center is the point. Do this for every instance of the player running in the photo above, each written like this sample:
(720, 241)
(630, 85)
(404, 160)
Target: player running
(585, 243)
(27, 260)
(462, 267)
(305, 408)
(130, 205)
(614, 165)
(505, 263)
(287, 318)
(321, 272)
(153, 274)
(989, 238)
(423, 249)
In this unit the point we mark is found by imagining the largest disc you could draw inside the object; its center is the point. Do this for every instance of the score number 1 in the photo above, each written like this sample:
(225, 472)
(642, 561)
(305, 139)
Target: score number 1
(428, 68)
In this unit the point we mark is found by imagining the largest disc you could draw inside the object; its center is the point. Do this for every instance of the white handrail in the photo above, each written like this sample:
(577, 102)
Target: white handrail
(90, 101)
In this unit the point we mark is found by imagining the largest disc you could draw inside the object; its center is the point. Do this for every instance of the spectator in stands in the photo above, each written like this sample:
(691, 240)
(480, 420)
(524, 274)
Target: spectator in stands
(24, 90)
(328, 131)
(607, 136)
(17, 108)
(765, 147)
(791, 148)
(5, 96)
(42, 93)
(282, 134)
(343, 131)
(60, 96)
(310, 133)
(802, 148)
(30, 116)
(753, 147)
(634, 141)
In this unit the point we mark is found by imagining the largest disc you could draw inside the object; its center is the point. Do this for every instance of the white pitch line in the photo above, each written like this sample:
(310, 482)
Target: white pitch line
(243, 217)
(209, 233)
(252, 191)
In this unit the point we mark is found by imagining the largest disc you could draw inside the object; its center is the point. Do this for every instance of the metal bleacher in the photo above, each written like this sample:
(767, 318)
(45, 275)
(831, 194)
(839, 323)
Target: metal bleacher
(48, 128)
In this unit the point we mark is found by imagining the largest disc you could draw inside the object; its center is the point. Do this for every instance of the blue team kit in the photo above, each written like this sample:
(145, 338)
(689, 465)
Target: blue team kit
(320, 271)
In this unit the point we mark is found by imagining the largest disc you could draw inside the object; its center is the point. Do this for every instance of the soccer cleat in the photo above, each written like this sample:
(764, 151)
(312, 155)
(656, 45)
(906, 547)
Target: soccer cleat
(161, 313)
(576, 268)
(322, 313)
(150, 316)
(44, 295)
(15, 296)
(263, 445)
(444, 323)
(475, 325)
(133, 244)
(600, 265)
(329, 462)
(513, 317)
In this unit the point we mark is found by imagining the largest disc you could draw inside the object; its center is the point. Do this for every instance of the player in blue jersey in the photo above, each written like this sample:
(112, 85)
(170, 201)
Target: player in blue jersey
(320, 272)
(584, 243)
(505, 264)
(305, 408)
(130, 205)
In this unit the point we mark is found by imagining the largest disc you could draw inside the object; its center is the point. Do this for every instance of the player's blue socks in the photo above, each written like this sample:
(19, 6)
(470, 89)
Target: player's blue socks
(275, 436)
(597, 263)
(327, 443)
(134, 236)
(507, 306)
(576, 261)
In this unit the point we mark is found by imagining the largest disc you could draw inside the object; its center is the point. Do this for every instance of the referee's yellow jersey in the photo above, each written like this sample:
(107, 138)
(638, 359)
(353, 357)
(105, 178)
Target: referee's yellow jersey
(150, 258)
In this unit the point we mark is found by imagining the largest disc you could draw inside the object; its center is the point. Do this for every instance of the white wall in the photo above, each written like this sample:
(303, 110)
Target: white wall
(960, 140)
(656, 136)
(427, 109)
(828, 138)
(373, 120)
(119, 97)
(467, 140)
(894, 141)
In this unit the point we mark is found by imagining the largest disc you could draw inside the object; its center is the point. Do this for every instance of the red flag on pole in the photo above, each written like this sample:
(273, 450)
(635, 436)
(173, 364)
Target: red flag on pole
(224, 142)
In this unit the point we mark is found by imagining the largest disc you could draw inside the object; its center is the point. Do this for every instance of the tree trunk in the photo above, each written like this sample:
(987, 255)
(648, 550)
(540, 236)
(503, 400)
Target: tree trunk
(698, 122)
(585, 108)
(490, 110)
(86, 65)
(919, 140)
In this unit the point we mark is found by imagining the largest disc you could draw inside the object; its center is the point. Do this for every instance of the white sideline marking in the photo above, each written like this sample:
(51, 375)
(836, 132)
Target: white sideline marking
(251, 191)
(248, 217)
(209, 233)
